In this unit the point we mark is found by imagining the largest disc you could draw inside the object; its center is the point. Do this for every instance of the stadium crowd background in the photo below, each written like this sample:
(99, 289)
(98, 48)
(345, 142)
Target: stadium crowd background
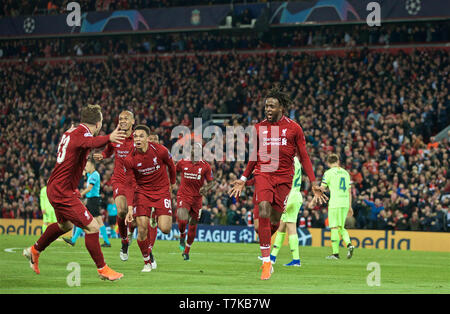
(377, 110)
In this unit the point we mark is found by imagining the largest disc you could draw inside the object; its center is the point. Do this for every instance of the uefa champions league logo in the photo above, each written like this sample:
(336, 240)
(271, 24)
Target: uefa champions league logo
(29, 25)
(304, 237)
(413, 6)
(246, 235)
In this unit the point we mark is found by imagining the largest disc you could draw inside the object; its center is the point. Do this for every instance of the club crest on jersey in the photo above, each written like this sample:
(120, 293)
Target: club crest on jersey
(139, 164)
(155, 160)
(283, 132)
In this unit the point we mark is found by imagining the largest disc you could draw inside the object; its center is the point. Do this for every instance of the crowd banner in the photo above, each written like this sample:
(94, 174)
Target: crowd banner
(316, 237)
(211, 17)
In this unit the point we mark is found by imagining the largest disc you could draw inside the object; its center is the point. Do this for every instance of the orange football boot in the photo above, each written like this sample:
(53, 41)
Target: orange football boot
(33, 257)
(107, 273)
(267, 270)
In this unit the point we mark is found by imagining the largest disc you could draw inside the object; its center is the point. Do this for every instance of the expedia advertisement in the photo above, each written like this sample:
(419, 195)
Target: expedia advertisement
(381, 239)
(367, 239)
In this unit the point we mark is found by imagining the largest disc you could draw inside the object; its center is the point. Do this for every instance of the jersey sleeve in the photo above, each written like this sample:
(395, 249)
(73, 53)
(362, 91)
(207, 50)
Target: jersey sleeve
(167, 159)
(208, 173)
(108, 151)
(93, 179)
(304, 157)
(326, 179)
(88, 141)
(179, 166)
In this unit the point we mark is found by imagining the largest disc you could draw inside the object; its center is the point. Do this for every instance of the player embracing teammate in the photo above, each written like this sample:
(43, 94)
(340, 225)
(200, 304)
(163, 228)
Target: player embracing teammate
(73, 151)
(122, 182)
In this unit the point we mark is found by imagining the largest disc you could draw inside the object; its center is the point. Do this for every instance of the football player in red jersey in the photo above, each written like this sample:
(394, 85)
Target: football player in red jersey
(189, 196)
(62, 192)
(278, 140)
(153, 228)
(149, 163)
(122, 182)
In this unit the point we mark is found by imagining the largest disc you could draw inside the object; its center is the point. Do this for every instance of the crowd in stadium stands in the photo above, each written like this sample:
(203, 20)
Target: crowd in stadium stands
(43, 7)
(212, 41)
(377, 110)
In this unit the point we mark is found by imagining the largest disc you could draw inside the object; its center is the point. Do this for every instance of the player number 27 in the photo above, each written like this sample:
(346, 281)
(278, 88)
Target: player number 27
(342, 185)
(62, 148)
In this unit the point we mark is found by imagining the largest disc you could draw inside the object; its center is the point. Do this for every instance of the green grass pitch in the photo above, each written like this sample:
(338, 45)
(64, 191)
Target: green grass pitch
(222, 269)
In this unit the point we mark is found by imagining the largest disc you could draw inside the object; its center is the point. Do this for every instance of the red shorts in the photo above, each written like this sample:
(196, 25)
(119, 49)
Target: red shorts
(192, 203)
(70, 209)
(160, 201)
(125, 190)
(268, 188)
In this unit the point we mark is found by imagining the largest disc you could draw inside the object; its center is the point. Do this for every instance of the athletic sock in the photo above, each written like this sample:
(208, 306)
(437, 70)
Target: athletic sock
(104, 234)
(92, 243)
(274, 228)
(335, 241)
(264, 238)
(279, 239)
(144, 246)
(293, 245)
(76, 234)
(52, 233)
(122, 229)
(345, 237)
(182, 227)
(151, 235)
(192, 231)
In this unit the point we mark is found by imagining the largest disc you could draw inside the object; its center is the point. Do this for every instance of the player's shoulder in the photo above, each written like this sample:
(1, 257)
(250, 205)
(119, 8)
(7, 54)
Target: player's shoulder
(291, 123)
(157, 147)
(81, 130)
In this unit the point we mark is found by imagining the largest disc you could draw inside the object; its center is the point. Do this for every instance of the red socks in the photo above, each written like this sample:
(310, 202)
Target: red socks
(192, 231)
(52, 233)
(182, 227)
(274, 228)
(93, 246)
(151, 235)
(122, 229)
(144, 246)
(264, 236)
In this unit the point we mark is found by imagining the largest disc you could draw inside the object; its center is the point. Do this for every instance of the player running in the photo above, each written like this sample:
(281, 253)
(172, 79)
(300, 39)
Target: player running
(278, 140)
(189, 196)
(337, 180)
(153, 226)
(123, 184)
(289, 219)
(72, 154)
(148, 163)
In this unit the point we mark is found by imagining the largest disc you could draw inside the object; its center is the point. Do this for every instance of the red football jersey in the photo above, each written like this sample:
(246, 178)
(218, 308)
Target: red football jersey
(286, 136)
(150, 168)
(73, 151)
(193, 176)
(120, 152)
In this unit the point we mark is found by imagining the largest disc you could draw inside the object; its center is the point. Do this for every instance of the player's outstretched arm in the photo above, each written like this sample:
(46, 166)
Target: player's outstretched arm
(237, 187)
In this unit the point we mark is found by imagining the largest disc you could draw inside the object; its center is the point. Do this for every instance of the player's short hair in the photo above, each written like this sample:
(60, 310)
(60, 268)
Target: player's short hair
(282, 97)
(129, 112)
(332, 159)
(91, 114)
(143, 127)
